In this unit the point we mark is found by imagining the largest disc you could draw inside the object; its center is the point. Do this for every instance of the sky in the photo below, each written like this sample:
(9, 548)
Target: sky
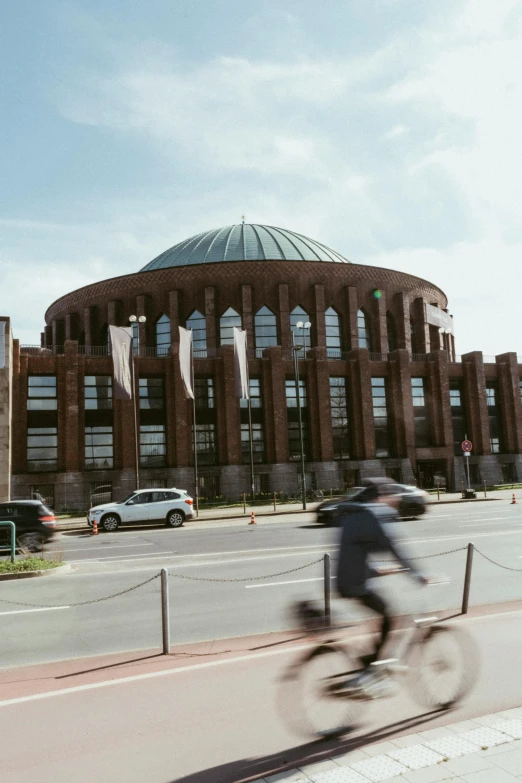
(389, 130)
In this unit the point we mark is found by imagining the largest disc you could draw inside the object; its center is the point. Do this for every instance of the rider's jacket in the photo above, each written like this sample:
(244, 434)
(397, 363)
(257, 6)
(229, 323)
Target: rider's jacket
(363, 533)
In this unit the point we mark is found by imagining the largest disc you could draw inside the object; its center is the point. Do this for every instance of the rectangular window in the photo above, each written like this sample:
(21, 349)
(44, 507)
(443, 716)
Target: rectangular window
(98, 392)
(206, 444)
(153, 445)
(291, 397)
(494, 418)
(41, 393)
(151, 393)
(99, 448)
(294, 441)
(204, 393)
(42, 449)
(44, 493)
(458, 416)
(258, 442)
(420, 413)
(254, 389)
(339, 413)
(380, 417)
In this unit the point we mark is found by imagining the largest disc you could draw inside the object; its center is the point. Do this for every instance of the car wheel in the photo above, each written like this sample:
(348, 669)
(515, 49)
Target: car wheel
(110, 523)
(175, 518)
(31, 542)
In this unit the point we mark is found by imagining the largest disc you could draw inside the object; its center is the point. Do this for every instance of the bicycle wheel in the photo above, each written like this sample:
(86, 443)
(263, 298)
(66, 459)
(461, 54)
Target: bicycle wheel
(307, 698)
(444, 667)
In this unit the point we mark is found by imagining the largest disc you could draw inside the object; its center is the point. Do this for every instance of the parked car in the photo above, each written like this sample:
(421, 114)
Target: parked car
(34, 522)
(170, 506)
(413, 503)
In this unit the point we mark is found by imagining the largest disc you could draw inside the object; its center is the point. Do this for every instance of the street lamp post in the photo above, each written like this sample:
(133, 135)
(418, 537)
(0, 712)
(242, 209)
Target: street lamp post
(304, 327)
(136, 320)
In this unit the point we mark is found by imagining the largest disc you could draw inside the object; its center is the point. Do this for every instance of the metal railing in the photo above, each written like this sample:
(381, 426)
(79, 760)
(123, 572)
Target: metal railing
(38, 350)
(378, 357)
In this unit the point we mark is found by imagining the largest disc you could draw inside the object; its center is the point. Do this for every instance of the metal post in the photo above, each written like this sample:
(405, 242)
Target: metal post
(485, 495)
(438, 491)
(327, 590)
(195, 445)
(136, 432)
(331, 493)
(300, 420)
(244, 503)
(275, 501)
(467, 579)
(165, 620)
(251, 439)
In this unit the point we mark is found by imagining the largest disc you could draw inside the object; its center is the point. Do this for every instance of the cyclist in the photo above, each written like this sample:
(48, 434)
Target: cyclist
(364, 532)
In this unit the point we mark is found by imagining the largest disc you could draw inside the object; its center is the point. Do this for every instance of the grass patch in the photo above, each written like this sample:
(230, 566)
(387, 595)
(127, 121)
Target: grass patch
(27, 564)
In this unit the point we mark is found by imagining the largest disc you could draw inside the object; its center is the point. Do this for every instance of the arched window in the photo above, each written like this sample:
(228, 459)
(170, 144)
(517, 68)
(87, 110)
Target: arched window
(198, 324)
(333, 334)
(265, 328)
(363, 330)
(301, 336)
(391, 333)
(228, 320)
(162, 335)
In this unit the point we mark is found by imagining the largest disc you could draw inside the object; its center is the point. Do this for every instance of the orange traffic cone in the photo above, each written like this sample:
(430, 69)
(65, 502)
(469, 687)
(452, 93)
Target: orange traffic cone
(252, 519)
(513, 500)
(94, 528)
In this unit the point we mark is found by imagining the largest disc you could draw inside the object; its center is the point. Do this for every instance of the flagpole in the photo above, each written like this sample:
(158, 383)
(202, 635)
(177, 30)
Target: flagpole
(136, 439)
(251, 442)
(195, 442)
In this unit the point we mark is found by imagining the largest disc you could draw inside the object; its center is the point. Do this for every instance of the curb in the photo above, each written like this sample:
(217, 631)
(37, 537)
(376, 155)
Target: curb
(66, 568)
(242, 517)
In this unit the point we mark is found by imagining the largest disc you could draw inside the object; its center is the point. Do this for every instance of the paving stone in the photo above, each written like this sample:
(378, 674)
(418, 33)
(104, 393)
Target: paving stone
(318, 766)
(350, 758)
(435, 733)
(463, 726)
(485, 736)
(465, 765)
(510, 761)
(406, 742)
(487, 720)
(427, 775)
(416, 757)
(339, 775)
(452, 747)
(380, 749)
(512, 727)
(379, 768)
(491, 776)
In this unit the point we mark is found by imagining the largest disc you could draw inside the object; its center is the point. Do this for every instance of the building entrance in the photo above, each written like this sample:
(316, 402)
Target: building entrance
(432, 473)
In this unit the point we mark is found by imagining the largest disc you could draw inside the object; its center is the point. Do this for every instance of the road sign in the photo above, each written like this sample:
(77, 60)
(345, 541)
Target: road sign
(467, 445)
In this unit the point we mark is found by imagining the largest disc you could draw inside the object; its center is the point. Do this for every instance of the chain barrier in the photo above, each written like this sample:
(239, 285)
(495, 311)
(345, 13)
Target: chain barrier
(506, 568)
(426, 557)
(247, 578)
(83, 603)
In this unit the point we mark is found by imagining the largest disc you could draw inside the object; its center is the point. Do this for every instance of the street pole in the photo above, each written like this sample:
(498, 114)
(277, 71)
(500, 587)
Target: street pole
(194, 437)
(251, 438)
(136, 438)
(300, 420)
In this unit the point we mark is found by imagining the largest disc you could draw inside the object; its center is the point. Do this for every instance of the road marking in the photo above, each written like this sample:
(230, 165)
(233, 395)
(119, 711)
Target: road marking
(152, 675)
(214, 563)
(123, 558)
(112, 546)
(42, 609)
(290, 582)
(218, 554)
(458, 538)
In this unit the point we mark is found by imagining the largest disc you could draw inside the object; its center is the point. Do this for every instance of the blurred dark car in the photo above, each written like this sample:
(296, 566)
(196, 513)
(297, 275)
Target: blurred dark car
(413, 503)
(35, 524)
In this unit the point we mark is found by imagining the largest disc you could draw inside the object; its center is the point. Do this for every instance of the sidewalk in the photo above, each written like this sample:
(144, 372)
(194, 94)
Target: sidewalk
(215, 514)
(483, 750)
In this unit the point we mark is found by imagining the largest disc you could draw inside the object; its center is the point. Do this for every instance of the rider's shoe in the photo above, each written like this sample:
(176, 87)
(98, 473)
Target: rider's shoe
(369, 684)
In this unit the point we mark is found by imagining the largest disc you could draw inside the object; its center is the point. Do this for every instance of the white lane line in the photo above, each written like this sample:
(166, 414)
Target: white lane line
(483, 524)
(152, 675)
(109, 546)
(290, 582)
(222, 562)
(123, 558)
(465, 536)
(42, 609)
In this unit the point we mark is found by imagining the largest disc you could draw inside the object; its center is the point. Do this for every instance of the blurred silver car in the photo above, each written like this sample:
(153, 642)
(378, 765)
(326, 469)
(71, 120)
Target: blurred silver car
(413, 503)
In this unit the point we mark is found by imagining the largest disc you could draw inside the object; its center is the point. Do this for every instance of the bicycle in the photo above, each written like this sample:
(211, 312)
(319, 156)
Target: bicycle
(311, 494)
(439, 662)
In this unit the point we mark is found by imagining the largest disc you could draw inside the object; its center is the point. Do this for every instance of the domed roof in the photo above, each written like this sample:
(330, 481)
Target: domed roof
(244, 242)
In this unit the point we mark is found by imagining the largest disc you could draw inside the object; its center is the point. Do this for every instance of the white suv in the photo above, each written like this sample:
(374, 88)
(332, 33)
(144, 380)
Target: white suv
(170, 506)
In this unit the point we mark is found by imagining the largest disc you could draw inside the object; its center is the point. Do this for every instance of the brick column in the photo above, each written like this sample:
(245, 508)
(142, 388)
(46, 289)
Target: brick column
(247, 315)
(174, 318)
(379, 328)
(401, 405)
(509, 398)
(422, 329)
(88, 325)
(48, 333)
(69, 326)
(319, 407)
(274, 402)
(227, 405)
(146, 328)
(284, 317)
(402, 321)
(72, 419)
(475, 401)
(178, 415)
(440, 413)
(113, 313)
(352, 307)
(318, 318)
(210, 317)
(360, 396)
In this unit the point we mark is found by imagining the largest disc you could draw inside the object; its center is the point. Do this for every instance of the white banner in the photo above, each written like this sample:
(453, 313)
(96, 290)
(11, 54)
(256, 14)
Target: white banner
(2, 345)
(185, 360)
(437, 317)
(241, 363)
(121, 349)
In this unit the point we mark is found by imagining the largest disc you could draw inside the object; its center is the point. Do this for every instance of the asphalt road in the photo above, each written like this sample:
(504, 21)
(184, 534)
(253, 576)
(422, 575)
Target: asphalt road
(255, 556)
(218, 721)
